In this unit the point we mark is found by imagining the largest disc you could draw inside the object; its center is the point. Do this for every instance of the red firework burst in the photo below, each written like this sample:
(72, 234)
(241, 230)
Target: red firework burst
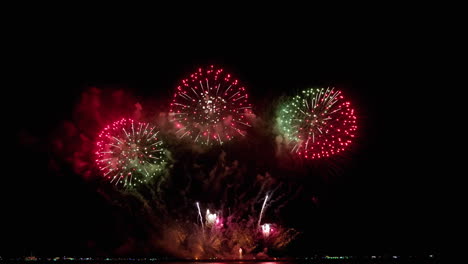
(210, 107)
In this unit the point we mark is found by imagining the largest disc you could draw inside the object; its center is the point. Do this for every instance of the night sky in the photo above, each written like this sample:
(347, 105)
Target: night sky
(383, 201)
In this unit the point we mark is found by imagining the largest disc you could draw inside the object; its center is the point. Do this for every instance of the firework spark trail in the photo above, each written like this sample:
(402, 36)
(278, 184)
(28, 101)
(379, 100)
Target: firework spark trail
(236, 232)
(199, 213)
(239, 225)
(261, 212)
(283, 194)
(182, 239)
(260, 193)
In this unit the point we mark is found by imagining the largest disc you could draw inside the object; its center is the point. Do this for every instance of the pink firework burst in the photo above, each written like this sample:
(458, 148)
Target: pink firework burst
(129, 152)
(210, 107)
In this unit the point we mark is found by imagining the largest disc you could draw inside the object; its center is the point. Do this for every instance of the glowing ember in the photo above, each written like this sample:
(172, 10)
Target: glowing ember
(211, 218)
(266, 230)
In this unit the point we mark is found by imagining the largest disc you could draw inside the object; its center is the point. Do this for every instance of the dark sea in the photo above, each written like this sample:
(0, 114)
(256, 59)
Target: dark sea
(408, 260)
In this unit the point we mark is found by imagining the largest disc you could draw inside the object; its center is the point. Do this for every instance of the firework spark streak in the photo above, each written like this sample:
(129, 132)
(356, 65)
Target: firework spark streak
(129, 152)
(261, 212)
(199, 213)
(210, 107)
(231, 233)
(318, 123)
(229, 225)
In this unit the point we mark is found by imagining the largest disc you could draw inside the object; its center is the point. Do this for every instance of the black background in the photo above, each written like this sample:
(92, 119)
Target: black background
(385, 202)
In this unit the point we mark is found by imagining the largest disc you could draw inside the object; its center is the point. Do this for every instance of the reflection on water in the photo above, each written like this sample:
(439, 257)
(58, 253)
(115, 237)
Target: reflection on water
(316, 261)
(426, 259)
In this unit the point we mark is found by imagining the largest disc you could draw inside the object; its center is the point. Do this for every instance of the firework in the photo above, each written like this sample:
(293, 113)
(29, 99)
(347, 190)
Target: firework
(318, 123)
(210, 107)
(261, 212)
(266, 229)
(230, 237)
(129, 152)
(211, 219)
(199, 214)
